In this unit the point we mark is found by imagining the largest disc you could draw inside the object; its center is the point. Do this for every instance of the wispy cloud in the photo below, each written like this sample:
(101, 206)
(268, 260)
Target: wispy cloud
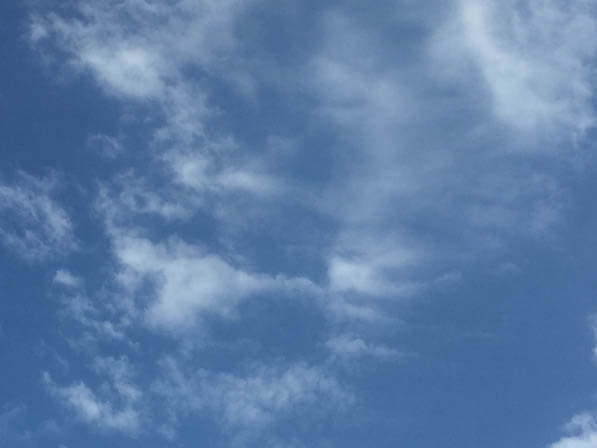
(66, 278)
(535, 58)
(105, 146)
(11, 430)
(115, 409)
(348, 346)
(97, 320)
(412, 204)
(408, 205)
(140, 51)
(254, 400)
(189, 281)
(32, 222)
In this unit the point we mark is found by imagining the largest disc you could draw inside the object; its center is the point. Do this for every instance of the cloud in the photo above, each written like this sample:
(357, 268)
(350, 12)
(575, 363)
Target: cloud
(348, 346)
(583, 433)
(32, 223)
(535, 58)
(413, 201)
(65, 278)
(140, 50)
(117, 407)
(198, 171)
(163, 56)
(121, 374)
(107, 324)
(254, 400)
(104, 145)
(129, 195)
(143, 52)
(411, 193)
(369, 106)
(9, 417)
(370, 265)
(189, 281)
(582, 428)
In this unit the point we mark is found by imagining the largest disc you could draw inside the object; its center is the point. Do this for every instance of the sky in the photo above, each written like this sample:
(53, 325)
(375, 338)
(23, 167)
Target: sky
(297, 224)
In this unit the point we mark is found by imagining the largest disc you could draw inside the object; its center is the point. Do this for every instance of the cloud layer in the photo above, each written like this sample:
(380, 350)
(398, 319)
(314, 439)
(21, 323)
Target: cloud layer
(339, 172)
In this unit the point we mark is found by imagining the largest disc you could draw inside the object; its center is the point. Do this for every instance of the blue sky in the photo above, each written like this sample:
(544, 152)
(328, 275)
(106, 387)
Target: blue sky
(298, 224)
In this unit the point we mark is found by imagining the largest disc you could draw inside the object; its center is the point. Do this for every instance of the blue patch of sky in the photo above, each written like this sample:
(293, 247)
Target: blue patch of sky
(496, 359)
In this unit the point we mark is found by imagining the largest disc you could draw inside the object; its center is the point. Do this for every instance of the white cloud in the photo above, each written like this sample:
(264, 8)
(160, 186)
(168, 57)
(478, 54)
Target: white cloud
(407, 204)
(583, 433)
(129, 196)
(535, 57)
(105, 145)
(371, 106)
(189, 281)
(252, 401)
(192, 172)
(32, 223)
(144, 53)
(66, 278)
(410, 200)
(344, 309)
(582, 428)
(98, 324)
(198, 170)
(113, 412)
(371, 265)
(139, 50)
(121, 374)
(356, 89)
(349, 346)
